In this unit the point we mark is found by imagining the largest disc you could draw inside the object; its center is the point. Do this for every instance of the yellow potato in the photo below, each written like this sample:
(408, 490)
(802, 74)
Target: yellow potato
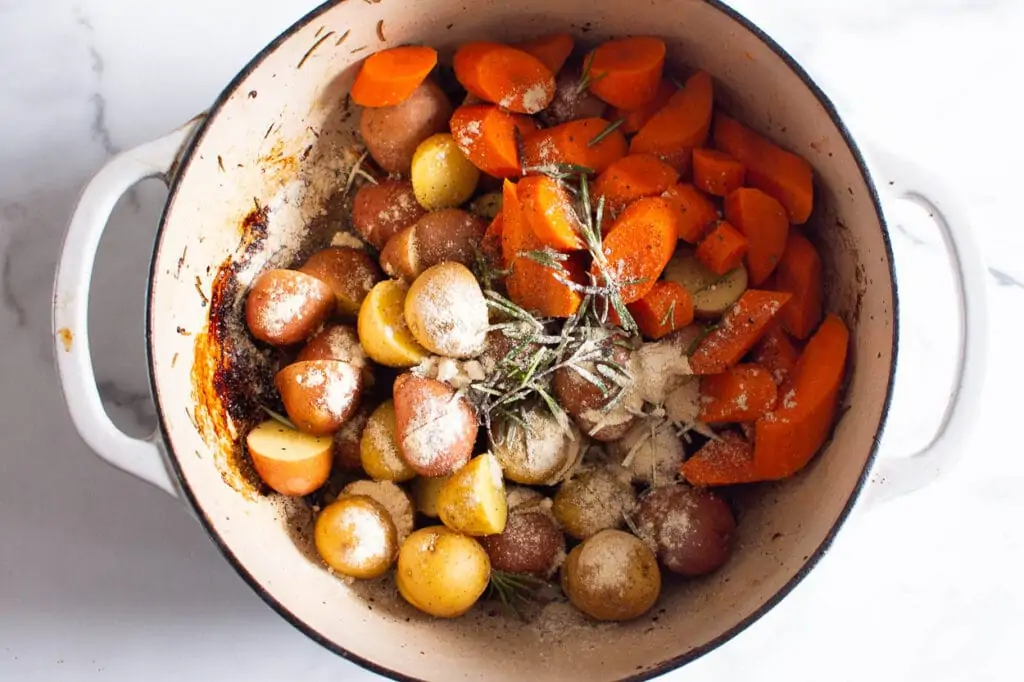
(712, 294)
(378, 447)
(473, 499)
(542, 453)
(355, 536)
(596, 499)
(613, 576)
(487, 205)
(441, 572)
(289, 461)
(441, 176)
(393, 498)
(383, 332)
(446, 311)
(425, 492)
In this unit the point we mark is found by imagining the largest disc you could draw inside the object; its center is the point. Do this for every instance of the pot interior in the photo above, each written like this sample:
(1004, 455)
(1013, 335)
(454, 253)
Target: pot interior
(264, 185)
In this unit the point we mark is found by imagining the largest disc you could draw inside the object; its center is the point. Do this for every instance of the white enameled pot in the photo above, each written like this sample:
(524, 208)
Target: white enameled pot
(249, 183)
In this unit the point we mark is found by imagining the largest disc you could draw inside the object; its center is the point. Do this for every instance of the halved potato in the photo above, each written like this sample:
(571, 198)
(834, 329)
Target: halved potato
(712, 294)
(425, 492)
(447, 235)
(383, 332)
(473, 499)
(378, 447)
(289, 461)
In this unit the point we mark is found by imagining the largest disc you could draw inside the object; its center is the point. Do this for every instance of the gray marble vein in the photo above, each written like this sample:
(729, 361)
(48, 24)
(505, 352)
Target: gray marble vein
(1004, 279)
(139, 406)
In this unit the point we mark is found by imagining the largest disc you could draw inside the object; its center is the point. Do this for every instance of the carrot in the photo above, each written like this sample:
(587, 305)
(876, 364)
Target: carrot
(638, 247)
(742, 393)
(626, 72)
(571, 143)
(786, 439)
(388, 77)
(636, 118)
(487, 136)
(552, 50)
(633, 177)
(763, 221)
(547, 208)
(531, 285)
(664, 309)
(716, 172)
(776, 352)
(525, 124)
(695, 212)
(721, 462)
(504, 75)
(770, 168)
(682, 125)
(737, 332)
(722, 249)
(490, 245)
(800, 273)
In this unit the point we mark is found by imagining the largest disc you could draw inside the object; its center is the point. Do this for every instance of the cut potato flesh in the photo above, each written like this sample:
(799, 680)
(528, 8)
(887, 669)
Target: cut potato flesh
(383, 332)
(472, 501)
(289, 461)
(712, 294)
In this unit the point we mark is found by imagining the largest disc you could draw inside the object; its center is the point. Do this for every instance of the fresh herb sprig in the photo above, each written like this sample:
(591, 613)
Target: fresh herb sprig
(514, 588)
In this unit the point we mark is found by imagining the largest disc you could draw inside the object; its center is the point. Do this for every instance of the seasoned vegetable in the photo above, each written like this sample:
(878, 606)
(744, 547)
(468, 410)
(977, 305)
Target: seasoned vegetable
(590, 142)
(441, 572)
(626, 72)
(435, 427)
(383, 210)
(395, 500)
(383, 332)
(355, 537)
(723, 249)
(727, 461)
(450, 234)
(426, 492)
(472, 501)
(552, 50)
(712, 295)
(674, 132)
(613, 576)
(378, 447)
(716, 172)
(634, 177)
(695, 212)
(319, 395)
(547, 208)
(392, 134)
(289, 461)
(441, 176)
(800, 273)
(531, 543)
(692, 531)
(594, 500)
(739, 330)
(388, 77)
(284, 306)
(742, 393)
(503, 75)
(539, 453)
(486, 135)
(762, 220)
(664, 309)
(638, 246)
(350, 273)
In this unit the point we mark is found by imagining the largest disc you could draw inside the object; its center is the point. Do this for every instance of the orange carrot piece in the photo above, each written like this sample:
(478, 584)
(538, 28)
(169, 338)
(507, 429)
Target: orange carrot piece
(532, 285)
(570, 143)
(497, 73)
(552, 50)
(695, 212)
(800, 273)
(681, 126)
(763, 221)
(626, 72)
(638, 247)
(388, 77)
(490, 245)
(547, 208)
(742, 393)
(666, 308)
(636, 118)
(525, 124)
(776, 352)
(723, 249)
(786, 439)
(738, 331)
(633, 177)
(770, 168)
(486, 135)
(721, 462)
(716, 172)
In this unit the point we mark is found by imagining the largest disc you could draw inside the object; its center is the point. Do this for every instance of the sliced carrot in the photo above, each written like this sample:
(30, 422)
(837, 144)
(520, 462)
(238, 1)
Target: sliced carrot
(531, 285)
(638, 247)
(626, 72)
(799, 273)
(776, 352)
(770, 168)
(738, 331)
(787, 439)
(547, 208)
(763, 221)
(722, 249)
(695, 212)
(633, 177)
(504, 75)
(490, 245)
(716, 172)
(664, 309)
(742, 393)
(388, 77)
(525, 124)
(727, 461)
(571, 143)
(681, 126)
(636, 118)
(552, 50)
(487, 136)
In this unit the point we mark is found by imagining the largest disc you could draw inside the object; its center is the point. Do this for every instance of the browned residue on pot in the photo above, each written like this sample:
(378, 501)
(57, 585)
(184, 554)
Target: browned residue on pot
(66, 338)
(278, 165)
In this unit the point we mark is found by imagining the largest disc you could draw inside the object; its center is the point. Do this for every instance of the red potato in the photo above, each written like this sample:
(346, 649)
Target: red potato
(285, 306)
(319, 395)
(435, 428)
(450, 234)
(289, 461)
(350, 273)
(392, 134)
(383, 210)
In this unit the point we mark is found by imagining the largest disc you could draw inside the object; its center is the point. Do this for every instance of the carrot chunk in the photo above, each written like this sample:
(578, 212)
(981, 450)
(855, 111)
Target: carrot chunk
(573, 143)
(681, 126)
(721, 462)
(738, 331)
(763, 221)
(633, 177)
(503, 75)
(486, 135)
(776, 352)
(638, 247)
(388, 77)
(490, 245)
(695, 212)
(664, 309)
(626, 72)
(716, 172)
(799, 273)
(636, 118)
(723, 249)
(552, 50)
(547, 208)
(742, 393)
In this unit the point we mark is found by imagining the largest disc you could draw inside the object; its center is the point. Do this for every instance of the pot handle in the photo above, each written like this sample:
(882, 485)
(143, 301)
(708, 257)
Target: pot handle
(140, 457)
(898, 476)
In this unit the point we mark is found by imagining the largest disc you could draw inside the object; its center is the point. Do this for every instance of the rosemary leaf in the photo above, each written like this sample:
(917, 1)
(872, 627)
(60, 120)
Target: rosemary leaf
(609, 129)
(626, 320)
(700, 337)
(670, 314)
(716, 281)
(278, 417)
(547, 257)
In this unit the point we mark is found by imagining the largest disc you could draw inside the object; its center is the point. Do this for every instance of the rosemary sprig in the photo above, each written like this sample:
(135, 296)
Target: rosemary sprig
(510, 588)
(560, 171)
(586, 80)
(716, 281)
(670, 314)
(278, 417)
(547, 257)
(704, 333)
(608, 130)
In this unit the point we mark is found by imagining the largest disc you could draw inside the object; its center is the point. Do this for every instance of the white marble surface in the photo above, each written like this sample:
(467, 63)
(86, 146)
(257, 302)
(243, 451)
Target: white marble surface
(105, 578)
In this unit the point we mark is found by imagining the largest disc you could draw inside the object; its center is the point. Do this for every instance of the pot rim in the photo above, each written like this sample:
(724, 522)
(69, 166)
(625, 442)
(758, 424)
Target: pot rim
(184, 161)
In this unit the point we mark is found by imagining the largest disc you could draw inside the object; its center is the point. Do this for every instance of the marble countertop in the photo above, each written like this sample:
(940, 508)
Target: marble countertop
(105, 578)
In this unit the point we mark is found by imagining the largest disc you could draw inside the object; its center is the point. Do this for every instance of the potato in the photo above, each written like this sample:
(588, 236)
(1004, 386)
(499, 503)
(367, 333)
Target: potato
(446, 311)
(338, 342)
(596, 499)
(425, 491)
(613, 576)
(395, 500)
(441, 572)
(542, 453)
(651, 451)
(383, 210)
(487, 206)
(392, 134)
(693, 531)
(712, 295)
(435, 427)
(383, 333)
(473, 499)
(569, 104)
(284, 306)
(350, 273)
(446, 235)
(319, 395)
(531, 543)
(378, 447)
(585, 401)
(355, 536)
(289, 461)
(682, 405)
(441, 176)
(347, 455)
